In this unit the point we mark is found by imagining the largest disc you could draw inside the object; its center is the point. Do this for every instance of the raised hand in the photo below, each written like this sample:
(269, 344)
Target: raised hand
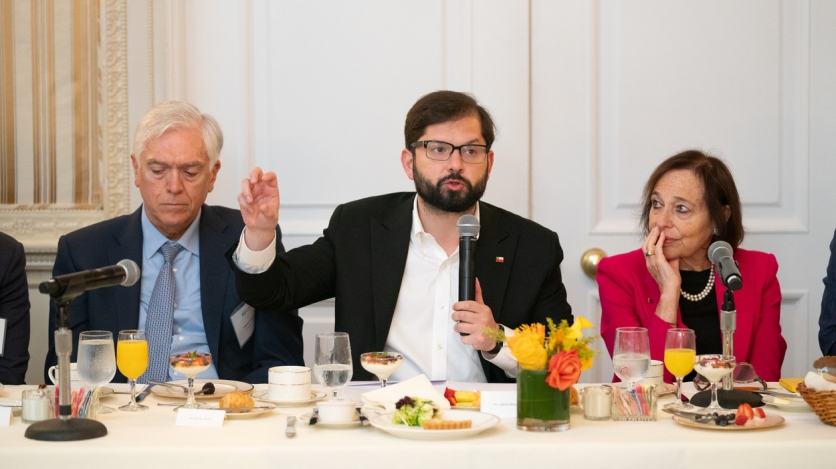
(259, 202)
(472, 317)
(665, 272)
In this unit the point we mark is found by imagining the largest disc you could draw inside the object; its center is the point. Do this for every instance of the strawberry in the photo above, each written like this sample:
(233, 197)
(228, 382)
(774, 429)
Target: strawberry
(759, 413)
(450, 395)
(744, 414)
(741, 419)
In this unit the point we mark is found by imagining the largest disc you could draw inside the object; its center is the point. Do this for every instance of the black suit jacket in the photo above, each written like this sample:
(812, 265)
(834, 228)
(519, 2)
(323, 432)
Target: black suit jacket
(277, 340)
(360, 261)
(14, 308)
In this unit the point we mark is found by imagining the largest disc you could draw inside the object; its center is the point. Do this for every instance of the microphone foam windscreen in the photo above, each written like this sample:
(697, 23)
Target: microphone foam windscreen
(131, 271)
(468, 225)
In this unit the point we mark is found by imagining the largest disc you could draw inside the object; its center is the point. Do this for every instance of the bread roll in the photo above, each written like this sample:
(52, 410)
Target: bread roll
(236, 399)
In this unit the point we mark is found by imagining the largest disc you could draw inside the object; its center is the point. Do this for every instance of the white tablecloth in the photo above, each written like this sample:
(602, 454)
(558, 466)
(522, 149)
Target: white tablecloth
(138, 439)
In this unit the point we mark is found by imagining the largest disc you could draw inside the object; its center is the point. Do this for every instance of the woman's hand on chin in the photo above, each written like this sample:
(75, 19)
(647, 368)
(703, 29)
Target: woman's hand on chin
(665, 272)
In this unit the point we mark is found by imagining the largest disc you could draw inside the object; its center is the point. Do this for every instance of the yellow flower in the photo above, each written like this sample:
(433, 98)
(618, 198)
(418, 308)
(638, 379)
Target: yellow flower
(573, 334)
(527, 346)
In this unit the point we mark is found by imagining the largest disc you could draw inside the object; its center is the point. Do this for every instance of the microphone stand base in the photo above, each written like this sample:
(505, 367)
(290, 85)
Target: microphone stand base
(65, 430)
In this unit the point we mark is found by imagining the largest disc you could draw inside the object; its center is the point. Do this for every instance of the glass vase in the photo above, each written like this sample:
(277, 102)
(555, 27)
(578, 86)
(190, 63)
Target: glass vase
(540, 407)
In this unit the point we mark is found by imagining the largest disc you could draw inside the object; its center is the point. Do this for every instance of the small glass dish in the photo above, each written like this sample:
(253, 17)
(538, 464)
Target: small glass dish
(634, 404)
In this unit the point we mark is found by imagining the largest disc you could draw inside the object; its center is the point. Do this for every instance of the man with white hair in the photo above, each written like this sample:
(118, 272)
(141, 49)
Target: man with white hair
(186, 299)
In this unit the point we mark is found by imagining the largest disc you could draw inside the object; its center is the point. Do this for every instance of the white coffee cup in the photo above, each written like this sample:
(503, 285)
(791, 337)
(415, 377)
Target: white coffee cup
(655, 373)
(337, 411)
(289, 383)
(75, 379)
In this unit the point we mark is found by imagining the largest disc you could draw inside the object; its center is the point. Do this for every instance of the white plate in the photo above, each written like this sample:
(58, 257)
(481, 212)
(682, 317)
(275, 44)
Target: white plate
(795, 405)
(771, 421)
(306, 417)
(265, 396)
(13, 404)
(481, 422)
(222, 388)
(245, 415)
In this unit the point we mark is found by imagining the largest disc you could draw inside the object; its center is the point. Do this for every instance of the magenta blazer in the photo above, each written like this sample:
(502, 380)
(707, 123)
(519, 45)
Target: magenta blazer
(629, 297)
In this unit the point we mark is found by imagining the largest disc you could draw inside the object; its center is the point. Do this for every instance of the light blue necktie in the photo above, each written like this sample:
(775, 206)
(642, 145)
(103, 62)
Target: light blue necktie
(160, 319)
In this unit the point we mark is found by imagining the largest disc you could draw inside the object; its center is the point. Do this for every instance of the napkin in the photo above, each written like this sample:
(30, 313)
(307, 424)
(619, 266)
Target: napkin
(815, 381)
(419, 386)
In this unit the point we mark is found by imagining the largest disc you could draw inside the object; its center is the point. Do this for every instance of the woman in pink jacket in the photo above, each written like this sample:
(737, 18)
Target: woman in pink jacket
(689, 202)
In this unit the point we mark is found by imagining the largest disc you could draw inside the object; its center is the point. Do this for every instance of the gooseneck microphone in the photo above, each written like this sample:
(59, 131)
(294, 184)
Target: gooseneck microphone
(468, 228)
(126, 273)
(720, 253)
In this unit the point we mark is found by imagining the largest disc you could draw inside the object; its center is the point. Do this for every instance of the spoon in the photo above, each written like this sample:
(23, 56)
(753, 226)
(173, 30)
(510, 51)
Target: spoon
(208, 388)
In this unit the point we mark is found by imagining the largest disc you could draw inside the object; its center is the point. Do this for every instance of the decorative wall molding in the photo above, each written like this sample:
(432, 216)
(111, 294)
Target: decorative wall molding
(795, 321)
(784, 210)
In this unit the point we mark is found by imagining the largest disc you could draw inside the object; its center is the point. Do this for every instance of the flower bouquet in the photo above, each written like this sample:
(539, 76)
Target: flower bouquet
(547, 369)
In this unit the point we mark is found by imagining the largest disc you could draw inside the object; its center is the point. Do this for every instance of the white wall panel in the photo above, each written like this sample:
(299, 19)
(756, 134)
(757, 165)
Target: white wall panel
(725, 77)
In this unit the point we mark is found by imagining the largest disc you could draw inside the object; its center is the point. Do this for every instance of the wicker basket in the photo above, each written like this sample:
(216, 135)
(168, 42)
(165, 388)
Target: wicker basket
(823, 403)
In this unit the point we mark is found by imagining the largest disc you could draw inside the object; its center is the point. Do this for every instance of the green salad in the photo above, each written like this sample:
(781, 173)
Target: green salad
(414, 411)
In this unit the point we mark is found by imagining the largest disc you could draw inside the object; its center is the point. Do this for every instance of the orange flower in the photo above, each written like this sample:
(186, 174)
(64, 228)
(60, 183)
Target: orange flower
(564, 370)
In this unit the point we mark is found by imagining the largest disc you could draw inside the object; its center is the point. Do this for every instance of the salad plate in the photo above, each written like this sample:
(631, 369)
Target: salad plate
(222, 388)
(771, 421)
(480, 422)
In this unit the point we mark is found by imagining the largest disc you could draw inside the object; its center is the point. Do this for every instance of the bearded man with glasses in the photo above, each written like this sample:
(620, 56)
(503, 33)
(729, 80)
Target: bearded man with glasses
(392, 261)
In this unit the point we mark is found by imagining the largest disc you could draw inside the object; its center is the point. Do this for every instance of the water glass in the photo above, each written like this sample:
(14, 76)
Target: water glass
(96, 361)
(333, 365)
(631, 354)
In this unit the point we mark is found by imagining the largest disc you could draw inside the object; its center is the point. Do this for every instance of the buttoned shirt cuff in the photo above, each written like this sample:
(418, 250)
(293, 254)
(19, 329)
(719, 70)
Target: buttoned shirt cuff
(504, 359)
(254, 262)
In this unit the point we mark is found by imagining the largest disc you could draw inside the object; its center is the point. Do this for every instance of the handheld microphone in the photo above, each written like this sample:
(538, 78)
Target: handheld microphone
(126, 273)
(468, 228)
(720, 253)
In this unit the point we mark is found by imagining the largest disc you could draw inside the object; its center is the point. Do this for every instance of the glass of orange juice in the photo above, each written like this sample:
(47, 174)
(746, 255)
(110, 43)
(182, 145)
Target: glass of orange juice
(132, 360)
(680, 349)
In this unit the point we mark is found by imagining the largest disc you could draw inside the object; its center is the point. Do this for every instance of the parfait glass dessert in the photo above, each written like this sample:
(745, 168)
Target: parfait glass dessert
(714, 368)
(381, 364)
(190, 365)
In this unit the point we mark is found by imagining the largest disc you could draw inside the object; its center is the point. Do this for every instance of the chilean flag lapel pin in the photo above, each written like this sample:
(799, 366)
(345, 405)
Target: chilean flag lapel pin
(500, 260)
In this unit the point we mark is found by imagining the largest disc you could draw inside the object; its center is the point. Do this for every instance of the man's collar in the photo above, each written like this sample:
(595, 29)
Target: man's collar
(418, 227)
(153, 239)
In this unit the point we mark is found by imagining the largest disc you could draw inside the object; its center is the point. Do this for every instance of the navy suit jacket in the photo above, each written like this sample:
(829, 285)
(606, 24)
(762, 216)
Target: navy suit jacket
(276, 341)
(14, 308)
(360, 261)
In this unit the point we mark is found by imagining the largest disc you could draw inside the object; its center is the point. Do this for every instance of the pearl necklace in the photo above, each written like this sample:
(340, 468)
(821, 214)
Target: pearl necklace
(699, 296)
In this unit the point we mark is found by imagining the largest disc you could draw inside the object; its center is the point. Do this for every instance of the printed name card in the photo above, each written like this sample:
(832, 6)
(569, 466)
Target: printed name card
(503, 404)
(200, 418)
(5, 416)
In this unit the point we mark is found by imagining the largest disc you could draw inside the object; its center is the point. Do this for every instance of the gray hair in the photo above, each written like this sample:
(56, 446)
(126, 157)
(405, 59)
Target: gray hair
(169, 115)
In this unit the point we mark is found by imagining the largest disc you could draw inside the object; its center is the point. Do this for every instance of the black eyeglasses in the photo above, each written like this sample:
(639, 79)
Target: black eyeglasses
(442, 151)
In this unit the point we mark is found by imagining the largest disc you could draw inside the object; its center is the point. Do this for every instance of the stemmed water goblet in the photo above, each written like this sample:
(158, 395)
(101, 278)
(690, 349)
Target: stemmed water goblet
(96, 361)
(381, 364)
(332, 365)
(132, 360)
(631, 354)
(714, 368)
(190, 365)
(680, 350)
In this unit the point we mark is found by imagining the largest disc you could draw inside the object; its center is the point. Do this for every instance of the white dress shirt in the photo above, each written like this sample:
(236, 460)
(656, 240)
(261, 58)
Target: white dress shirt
(422, 325)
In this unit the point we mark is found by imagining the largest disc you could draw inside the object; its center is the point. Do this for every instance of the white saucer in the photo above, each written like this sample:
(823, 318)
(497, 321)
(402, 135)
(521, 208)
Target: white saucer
(306, 417)
(265, 396)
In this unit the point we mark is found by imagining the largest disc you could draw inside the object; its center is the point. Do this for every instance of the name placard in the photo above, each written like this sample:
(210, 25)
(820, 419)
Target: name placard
(5, 416)
(200, 418)
(503, 404)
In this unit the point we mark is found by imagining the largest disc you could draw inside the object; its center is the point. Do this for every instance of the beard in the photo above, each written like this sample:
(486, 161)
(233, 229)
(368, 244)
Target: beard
(445, 200)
